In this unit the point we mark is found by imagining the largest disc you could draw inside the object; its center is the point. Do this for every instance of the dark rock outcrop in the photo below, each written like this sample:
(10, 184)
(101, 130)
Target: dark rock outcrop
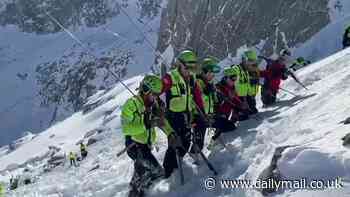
(219, 27)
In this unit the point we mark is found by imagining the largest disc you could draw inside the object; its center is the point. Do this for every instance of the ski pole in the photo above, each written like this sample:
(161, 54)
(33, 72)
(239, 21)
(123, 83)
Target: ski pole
(205, 159)
(179, 164)
(297, 80)
(302, 85)
(210, 126)
(125, 149)
(210, 166)
(218, 138)
(289, 92)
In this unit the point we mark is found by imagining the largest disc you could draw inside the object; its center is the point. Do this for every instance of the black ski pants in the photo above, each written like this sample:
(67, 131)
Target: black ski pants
(252, 104)
(146, 166)
(198, 134)
(179, 122)
(268, 96)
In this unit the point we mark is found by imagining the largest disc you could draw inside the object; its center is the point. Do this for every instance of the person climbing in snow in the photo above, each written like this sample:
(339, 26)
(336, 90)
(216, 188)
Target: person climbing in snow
(346, 38)
(205, 80)
(299, 63)
(250, 59)
(275, 72)
(228, 105)
(72, 159)
(140, 115)
(243, 83)
(183, 97)
(83, 151)
(26, 176)
(14, 183)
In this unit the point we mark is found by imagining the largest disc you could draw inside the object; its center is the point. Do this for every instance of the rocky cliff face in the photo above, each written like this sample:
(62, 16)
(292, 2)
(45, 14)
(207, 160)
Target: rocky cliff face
(219, 27)
(31, 15)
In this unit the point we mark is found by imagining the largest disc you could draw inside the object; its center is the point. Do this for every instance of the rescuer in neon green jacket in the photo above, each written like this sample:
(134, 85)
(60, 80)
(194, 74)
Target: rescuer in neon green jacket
(251, 61)
(183, 98)
(205, 79)
(140, 115)
(247, 83)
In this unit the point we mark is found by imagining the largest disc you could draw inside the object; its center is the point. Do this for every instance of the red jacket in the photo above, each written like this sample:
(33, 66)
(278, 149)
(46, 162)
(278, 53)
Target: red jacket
(225, 106)
(167, 84)
(273, 75)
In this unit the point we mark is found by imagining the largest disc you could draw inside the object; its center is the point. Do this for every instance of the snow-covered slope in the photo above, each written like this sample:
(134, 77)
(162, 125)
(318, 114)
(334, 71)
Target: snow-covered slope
(309, 123)
(21, 52)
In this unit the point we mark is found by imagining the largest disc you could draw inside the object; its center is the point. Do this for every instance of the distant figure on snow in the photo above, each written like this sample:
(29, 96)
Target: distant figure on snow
(275, 72)
(26, 177)
(72, 159)
(14, 183)
(83, 150)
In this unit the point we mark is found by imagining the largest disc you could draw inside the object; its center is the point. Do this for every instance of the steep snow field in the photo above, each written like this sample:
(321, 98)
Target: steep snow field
(21, 52)
(309, 123)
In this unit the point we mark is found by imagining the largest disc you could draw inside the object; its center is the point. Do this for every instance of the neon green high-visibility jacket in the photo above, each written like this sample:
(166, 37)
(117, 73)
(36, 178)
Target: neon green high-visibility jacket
(133, 125)
(181, 99)
(82, 147)
(209, 98)
(253, 89)
(254, 85)
(72, 156)
(243, 81)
